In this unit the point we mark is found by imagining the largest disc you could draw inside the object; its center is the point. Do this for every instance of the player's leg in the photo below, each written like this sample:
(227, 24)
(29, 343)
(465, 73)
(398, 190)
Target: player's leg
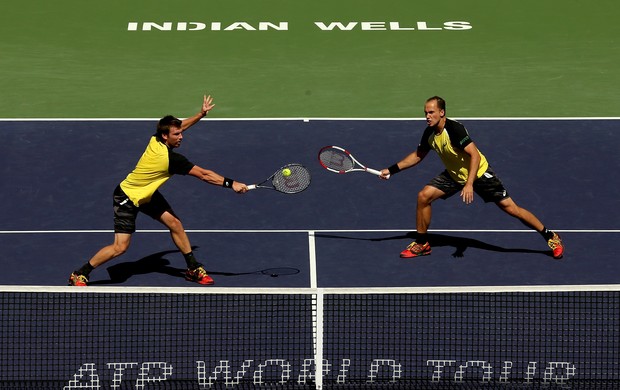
(508, 206)
(441, 186)
(159, 209)
(177, 232)
(195, 271)
(125, 214)
(526, 217)
(105, 254)
(426, 197)
(491, 189)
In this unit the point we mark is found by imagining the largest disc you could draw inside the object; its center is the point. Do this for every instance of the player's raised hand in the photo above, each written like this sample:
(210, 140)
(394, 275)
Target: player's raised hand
(207, 104)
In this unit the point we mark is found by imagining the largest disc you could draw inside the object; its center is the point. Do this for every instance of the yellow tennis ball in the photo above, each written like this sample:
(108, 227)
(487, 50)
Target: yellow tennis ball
(286, 172)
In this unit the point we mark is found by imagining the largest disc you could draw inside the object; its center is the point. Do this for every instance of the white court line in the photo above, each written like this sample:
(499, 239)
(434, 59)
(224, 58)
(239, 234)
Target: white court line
(312, 255)
(576, 118)
(313, 231)
(311, 291)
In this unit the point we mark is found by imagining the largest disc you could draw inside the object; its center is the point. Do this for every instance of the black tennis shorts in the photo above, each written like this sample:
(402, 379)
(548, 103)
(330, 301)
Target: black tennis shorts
(488, 186)
(125, 212)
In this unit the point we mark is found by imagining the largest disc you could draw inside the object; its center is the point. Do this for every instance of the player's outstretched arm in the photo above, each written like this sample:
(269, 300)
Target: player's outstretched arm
(215, 178)
(207, 105)
(409, 161)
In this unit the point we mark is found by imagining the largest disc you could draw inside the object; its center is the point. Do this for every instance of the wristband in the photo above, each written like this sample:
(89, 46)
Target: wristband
(394, 169)
(227, 183)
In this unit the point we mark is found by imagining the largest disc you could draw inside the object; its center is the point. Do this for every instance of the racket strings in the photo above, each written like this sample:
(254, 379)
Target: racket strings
(336, 159)
(297, 181)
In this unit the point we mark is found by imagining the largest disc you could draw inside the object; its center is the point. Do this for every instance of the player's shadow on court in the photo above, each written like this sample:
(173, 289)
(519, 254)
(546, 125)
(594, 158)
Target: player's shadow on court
(460, 244)
(155, 263)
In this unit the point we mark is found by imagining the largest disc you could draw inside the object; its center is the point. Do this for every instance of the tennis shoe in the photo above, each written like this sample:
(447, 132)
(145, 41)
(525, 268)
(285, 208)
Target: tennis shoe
(414, 250)
(78, 280)
(556, 245)
(198, 275)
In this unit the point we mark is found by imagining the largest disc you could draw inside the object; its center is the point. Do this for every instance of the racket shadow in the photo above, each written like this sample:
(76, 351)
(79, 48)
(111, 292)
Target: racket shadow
(460, 244)
(271, 272)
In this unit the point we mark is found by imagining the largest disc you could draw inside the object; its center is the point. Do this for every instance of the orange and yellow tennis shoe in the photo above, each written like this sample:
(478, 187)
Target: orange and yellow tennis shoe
(414, 250)
(556, 245)
(198, 275)
(78, 280)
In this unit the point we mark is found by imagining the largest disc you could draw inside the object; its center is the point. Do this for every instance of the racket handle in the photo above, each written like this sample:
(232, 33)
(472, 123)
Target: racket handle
(378, 173)
(252, 187)
(373, 171)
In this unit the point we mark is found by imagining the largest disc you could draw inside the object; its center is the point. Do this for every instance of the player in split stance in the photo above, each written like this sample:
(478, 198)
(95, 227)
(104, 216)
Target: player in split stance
(467, 171)
(139, 193)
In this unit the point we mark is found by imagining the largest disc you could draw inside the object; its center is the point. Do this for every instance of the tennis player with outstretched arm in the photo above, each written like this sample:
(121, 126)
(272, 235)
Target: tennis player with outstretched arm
(139, 193)
(467, 171)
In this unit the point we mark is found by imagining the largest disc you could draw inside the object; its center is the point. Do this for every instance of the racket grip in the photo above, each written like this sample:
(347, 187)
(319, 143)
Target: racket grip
(378, 173)
(252, 187)
(373, 171)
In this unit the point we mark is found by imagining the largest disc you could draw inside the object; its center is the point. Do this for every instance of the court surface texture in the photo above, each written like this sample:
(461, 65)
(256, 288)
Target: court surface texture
(344, 231)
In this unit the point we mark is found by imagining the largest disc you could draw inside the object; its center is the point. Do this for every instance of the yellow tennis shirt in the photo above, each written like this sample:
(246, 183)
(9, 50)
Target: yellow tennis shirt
(450, 145)
(157, 164)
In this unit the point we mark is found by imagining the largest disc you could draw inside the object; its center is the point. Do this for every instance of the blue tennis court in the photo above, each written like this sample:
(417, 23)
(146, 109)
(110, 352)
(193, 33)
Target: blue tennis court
(312, 277)
(345, 230)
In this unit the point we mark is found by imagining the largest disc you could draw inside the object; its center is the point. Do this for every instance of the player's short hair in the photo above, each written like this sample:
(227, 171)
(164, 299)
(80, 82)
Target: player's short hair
(164, 125)
(441, 104)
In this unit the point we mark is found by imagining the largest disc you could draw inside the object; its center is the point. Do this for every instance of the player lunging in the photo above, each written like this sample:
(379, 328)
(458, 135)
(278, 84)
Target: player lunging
(139, 193)
(467, 171)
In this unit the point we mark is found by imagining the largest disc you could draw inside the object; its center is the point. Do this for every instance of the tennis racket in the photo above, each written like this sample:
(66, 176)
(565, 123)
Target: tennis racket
(290, 179)
(338, 160)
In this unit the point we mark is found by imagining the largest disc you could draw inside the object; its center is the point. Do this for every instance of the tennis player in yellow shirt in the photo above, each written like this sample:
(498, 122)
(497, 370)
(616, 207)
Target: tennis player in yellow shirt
(139, 193)
(467, 171)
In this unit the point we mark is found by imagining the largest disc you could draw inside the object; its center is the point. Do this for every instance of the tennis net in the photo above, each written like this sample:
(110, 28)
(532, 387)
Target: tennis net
(565, 337)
